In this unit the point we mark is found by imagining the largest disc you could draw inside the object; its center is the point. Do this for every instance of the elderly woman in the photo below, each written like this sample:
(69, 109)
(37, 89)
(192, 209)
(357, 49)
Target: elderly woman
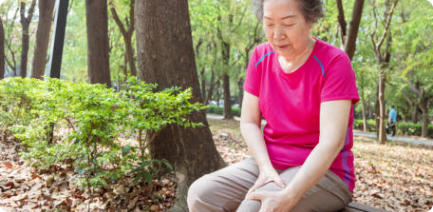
(305, 89)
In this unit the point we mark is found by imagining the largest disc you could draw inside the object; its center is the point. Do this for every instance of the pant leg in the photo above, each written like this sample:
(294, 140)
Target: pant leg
(329, 194)
(394, 129)
(223, 190)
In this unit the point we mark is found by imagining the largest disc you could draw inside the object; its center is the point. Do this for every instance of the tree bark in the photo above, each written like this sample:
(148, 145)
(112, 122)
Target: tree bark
(241, 91)
(383, 56)
(211, 87)
(364, 117)
(349, 40)
(382, 112)
(218, 92)
(46, 8)
(203, 84)
(98, 66)
(2, 50)
(422, 103)
(25, 23)
(350, 44)
(425, 119)
(225, 52)
(127, 31)
(166, 56)
(227, 101)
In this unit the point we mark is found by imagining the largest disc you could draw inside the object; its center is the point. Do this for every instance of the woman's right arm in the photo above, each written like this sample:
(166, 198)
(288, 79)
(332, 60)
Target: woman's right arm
(251, 130)
(250, 125)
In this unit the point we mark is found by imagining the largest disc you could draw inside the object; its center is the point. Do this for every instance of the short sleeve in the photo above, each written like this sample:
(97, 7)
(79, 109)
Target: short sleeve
(339, 81)
(253, 76)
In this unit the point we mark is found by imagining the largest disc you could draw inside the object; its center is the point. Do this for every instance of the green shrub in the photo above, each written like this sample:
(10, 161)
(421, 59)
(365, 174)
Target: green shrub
(89, 122)
(403, 128)
(220, 110)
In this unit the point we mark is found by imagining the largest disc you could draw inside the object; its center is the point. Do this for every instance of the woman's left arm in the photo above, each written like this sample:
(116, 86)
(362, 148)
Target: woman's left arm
(334, 118)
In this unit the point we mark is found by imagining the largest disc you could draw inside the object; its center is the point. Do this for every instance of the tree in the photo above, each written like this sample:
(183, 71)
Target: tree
(42, 37)
(348, 41)
(414, 50)
(2, 50)
(97, 42)
(127, 31)
(10, 53)
(25, 23)
(383, 57)
(166, 57)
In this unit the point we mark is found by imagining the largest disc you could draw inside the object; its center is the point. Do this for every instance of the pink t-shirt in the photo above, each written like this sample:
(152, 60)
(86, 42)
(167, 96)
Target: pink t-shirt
(290, 103)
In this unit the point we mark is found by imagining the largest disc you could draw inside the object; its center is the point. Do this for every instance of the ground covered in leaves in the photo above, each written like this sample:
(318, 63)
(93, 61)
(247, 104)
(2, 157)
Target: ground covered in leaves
(393, 177)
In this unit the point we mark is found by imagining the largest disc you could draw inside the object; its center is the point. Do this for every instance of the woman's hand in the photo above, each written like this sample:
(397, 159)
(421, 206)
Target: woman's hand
(274, 201)
(267, 176)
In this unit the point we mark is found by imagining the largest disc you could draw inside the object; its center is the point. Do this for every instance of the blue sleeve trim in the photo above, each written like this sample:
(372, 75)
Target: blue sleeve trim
(263, 57)
(321, 65)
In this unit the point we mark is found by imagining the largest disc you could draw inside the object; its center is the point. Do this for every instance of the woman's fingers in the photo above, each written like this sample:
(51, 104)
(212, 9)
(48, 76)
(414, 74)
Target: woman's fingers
(255, 187)
(279, 181)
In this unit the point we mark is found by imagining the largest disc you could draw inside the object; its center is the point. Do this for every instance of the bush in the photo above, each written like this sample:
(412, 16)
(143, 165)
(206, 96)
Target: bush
(403, 128)
(220, 110)
(59, 121)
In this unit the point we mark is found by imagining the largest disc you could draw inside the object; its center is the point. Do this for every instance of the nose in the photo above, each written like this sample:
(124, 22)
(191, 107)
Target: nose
(278, 34)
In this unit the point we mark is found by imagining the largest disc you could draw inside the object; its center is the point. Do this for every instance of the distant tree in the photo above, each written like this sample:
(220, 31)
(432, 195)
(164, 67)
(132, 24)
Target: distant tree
(25, 23)
(10, 51)
(127, 30)
(382, 50)
(42, 37)
(348, 40)
(2, 50)
(98, 66)
(166, 57)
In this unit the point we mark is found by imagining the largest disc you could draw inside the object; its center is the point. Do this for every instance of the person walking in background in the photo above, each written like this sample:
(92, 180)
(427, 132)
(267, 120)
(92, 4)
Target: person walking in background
(392, 120)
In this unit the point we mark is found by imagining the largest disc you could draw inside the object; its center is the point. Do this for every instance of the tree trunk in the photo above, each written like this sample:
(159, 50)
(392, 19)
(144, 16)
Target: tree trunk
(350, 44)
(377, 110)
(414, 116)
(130, 56)
(226, 81)
(2, 50)
(424, 129)
(165, 26)
(127, 31)
(364, 117)
(348, 41)
(42, 37)
(227, 102)
(25, 23)
(217, 92)
(382, 111)
(425, 113)
(98, 66)
(211, 87)
(203, 84)
(241, 91)
(383, 57)
(24, 52)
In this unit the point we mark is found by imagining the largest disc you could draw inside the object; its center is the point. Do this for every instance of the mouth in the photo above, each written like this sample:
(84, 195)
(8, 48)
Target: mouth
(282, 46)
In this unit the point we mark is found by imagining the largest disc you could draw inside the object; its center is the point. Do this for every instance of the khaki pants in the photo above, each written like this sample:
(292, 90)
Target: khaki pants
(225, 190)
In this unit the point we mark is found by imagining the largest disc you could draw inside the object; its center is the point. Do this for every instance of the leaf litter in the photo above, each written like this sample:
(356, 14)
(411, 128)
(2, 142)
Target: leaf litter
(390, 177)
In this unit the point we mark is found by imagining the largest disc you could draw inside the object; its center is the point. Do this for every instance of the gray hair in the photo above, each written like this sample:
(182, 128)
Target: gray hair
(312, 10)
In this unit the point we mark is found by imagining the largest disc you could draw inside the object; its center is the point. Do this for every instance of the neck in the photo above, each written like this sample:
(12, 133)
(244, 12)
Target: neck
(291, 64)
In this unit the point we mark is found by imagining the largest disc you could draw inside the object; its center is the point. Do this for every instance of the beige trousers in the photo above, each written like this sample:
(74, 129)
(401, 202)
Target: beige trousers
(224, 190)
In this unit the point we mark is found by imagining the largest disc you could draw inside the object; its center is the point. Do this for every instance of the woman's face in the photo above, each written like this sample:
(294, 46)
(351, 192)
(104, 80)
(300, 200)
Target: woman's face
(285, 27)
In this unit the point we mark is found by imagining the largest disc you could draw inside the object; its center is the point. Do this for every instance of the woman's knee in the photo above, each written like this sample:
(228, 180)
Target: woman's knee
(196, 190)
